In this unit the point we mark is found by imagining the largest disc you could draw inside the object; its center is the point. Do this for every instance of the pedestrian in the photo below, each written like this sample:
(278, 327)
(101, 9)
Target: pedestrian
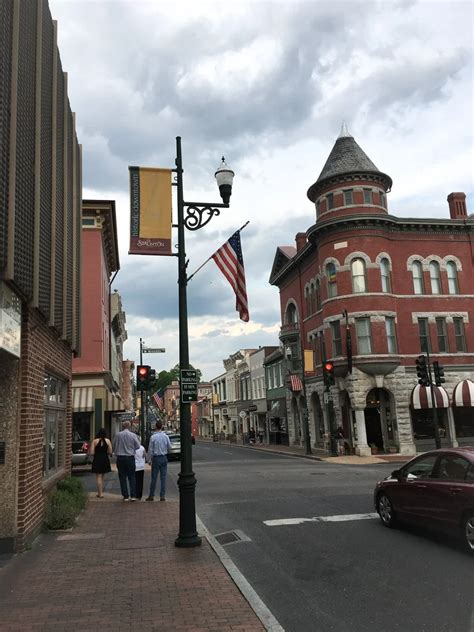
(158, 449)
(101, 449)
(340, 441)
(125, 445)
(140, 456)
(260, 436)
(251, 435)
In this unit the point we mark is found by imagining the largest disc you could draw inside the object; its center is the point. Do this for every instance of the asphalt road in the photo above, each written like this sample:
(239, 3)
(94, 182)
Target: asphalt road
(317, 576)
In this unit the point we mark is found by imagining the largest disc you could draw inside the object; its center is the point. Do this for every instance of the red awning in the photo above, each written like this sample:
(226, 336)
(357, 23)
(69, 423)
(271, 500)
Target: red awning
(296, 384)
(463, 394)
(421, 397)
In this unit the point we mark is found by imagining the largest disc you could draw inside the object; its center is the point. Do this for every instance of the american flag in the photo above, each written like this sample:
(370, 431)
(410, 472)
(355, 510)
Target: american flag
(158, 400)
(231, 263)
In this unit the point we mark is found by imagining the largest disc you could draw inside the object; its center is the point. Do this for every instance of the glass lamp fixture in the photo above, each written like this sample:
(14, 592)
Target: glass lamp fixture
(225, 177)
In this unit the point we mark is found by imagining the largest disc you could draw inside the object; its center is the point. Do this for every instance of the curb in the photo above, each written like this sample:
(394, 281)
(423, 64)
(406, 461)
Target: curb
(263, 613)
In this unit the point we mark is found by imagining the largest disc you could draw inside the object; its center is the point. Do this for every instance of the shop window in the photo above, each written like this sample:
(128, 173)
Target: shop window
(331, 280)
(424, 331)
(442, 335)
(391, 334)
(359, 277)
(364, 339)
(417, 271)
(336, 338)
(54, 428)
(385, 275)
(452, 270)
(459, 336)
(435, 278)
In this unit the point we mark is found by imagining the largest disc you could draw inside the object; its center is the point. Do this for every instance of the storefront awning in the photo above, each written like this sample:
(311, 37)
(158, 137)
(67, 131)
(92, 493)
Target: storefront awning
(114, 402)
(463, 394)
(421, 397)
(82, 399)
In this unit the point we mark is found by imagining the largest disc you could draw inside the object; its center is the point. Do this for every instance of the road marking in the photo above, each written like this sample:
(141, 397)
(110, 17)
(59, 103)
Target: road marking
(344, 518)
(228, 452)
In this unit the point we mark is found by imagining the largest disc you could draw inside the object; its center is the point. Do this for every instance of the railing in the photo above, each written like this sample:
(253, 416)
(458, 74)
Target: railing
(289, 329)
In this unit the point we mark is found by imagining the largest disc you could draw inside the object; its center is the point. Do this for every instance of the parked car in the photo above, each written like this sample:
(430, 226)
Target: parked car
(175, 451)
(434, 490)
(80, 452)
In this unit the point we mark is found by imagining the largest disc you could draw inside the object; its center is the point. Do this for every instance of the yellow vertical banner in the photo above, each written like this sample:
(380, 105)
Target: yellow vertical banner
(308, 361)
(215, 399)
(150, 211)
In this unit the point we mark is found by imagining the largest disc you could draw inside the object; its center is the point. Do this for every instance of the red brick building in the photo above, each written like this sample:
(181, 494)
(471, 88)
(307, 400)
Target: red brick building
(40, 223)
(391, 287)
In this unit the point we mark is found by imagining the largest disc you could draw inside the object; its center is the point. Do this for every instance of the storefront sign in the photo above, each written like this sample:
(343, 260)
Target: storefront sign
(10, 320)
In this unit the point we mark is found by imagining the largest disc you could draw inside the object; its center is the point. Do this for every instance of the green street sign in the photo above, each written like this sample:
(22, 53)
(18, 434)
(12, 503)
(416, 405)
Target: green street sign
(189, 385)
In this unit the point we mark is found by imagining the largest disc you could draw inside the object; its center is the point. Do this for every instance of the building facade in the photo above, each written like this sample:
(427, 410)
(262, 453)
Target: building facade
(40, 255)
(371, 292)
(97, 372)
(258, 382)
(276, 371)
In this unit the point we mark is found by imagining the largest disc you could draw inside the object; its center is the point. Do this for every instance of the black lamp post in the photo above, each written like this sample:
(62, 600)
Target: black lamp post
(305, 415)
(198, 215)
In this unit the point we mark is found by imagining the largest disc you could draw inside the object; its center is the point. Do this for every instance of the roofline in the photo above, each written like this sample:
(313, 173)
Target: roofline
(108, 205)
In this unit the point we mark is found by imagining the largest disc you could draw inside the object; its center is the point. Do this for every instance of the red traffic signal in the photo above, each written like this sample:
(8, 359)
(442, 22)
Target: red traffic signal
(328, 373)
(143, 372)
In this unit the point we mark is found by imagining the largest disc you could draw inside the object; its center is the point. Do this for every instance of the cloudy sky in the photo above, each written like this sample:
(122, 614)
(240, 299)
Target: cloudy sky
(268, 85)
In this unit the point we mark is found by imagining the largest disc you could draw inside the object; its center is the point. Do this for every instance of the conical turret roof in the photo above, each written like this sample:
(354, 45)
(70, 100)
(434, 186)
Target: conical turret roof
(345, 158)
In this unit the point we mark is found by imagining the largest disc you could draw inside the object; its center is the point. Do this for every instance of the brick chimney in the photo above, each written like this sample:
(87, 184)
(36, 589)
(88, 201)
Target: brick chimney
(457, 205)
(300, 239)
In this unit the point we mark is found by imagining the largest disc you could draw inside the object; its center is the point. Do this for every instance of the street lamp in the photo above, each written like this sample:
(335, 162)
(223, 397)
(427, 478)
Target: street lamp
(305, 415)
(198, 215)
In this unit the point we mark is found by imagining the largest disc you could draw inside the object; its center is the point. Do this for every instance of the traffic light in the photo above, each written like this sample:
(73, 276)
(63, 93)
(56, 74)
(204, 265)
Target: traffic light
(422, 371)
(143, 372)
(151, 378)
(438, 373)
(328, 373)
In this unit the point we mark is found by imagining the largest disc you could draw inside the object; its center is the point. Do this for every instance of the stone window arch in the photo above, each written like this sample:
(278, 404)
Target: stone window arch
(291, 313)
(357, 255)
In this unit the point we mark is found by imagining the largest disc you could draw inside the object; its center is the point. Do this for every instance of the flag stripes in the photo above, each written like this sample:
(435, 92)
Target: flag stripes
(230, 262)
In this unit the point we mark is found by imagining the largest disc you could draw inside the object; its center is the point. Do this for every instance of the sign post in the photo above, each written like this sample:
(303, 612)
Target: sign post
(189, 385)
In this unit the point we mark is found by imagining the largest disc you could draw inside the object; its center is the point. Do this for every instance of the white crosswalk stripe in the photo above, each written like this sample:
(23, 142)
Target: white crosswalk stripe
(343, 518)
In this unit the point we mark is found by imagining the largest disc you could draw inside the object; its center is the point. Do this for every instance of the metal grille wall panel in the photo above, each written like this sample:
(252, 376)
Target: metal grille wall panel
(69, 227)
(46, 162)
(25, 138)
(58, 303)
(6, 15)
(77, 245)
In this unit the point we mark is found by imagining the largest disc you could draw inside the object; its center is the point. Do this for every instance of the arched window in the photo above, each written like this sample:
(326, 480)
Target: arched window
(359, 278)
(385, 275)
(291, 314)
(417, 271)
(435, 278)
(453, 286)
(307, 301)
(318, 295)
(313, 299)
(331, 279)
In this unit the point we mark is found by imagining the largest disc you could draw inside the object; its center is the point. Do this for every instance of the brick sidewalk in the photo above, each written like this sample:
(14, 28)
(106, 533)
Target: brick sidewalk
(119, 570)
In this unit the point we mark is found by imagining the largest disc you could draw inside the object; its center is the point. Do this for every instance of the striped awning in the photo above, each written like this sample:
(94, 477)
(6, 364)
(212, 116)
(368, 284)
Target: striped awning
(421, 397)
(82, 399)
(463, 394)
(114, 402)
(295, 383)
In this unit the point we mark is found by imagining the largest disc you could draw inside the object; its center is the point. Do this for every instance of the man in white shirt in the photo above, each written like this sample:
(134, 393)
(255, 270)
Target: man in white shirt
(158, 455)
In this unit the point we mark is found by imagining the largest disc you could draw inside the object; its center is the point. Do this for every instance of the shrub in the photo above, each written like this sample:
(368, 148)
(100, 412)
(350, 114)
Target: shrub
(74, 487)
(62, 510)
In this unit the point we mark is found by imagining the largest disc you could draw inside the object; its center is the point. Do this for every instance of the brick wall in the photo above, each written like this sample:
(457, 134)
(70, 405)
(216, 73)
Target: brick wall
(42, 352)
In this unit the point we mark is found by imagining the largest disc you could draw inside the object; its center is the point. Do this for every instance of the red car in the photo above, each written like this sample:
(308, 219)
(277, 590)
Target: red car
(435, 490)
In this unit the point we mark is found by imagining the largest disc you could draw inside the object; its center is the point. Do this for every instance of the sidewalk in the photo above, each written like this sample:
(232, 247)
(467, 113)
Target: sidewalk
(317, 455)
(119, 569)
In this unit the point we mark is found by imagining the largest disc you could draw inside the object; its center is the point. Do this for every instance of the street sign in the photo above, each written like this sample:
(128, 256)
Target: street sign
(150, 350)
(242, 414)
(189, 385)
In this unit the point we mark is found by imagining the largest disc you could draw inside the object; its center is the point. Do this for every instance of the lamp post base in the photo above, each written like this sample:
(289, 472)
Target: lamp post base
(187, 536)
(188, 542)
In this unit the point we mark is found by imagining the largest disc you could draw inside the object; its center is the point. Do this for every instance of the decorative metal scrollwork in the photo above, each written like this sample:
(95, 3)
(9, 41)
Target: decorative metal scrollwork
(196, 219)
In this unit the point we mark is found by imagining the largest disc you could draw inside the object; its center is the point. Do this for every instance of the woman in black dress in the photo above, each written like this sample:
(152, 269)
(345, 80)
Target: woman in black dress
(101, 449)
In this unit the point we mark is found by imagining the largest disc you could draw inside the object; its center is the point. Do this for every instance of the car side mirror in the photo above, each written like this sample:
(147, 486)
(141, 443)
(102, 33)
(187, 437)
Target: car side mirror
(397, 474)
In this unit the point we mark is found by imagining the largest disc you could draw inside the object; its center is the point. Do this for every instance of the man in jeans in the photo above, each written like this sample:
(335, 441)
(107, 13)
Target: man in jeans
(125, 444)
(157, 454)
